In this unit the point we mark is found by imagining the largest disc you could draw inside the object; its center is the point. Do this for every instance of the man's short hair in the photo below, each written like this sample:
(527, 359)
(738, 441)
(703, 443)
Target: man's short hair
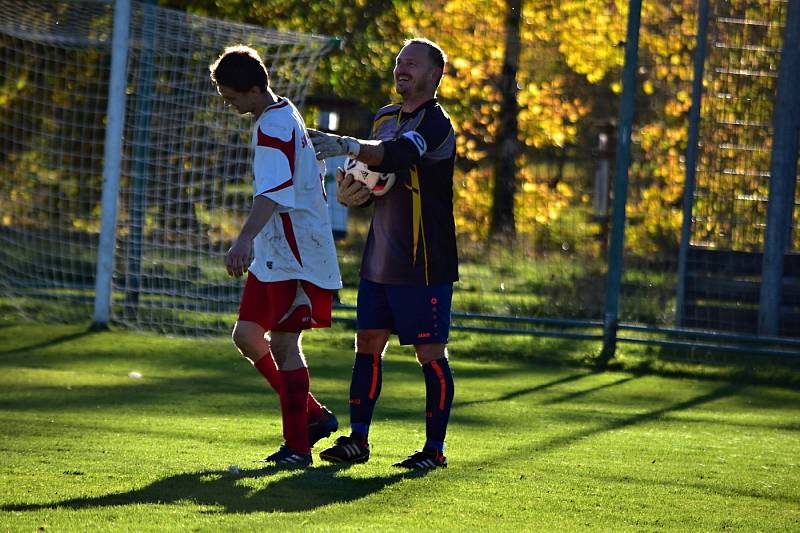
(435, 52)
(240, 67)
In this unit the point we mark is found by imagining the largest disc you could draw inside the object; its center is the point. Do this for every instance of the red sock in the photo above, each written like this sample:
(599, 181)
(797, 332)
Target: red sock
(269, 369)
(314, 407)
(294, 407)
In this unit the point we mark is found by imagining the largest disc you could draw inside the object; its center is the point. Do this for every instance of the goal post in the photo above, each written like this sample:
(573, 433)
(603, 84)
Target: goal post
(155, 260)
(112, 159)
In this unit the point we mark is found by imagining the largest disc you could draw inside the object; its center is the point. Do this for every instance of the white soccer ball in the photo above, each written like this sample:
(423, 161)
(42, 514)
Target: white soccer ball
(378, 183)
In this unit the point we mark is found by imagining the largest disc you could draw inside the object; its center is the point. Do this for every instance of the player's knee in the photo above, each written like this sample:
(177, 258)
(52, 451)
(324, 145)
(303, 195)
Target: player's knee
(239, 337)
(372, 340)
(292, 360)
(247, 339)
(430, 352)
(287, 351)
(285, 342)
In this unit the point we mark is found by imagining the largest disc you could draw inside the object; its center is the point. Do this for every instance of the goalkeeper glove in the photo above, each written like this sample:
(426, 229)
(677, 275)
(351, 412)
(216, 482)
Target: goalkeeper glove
(329, 145)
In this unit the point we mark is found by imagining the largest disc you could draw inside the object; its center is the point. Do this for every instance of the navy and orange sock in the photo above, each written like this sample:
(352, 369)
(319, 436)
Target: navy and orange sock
(365, 387)
(439, 390)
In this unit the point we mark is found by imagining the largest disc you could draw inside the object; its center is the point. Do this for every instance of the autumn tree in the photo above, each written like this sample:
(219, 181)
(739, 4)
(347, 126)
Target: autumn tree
(371, 34)
(529, 85)
(507, 144)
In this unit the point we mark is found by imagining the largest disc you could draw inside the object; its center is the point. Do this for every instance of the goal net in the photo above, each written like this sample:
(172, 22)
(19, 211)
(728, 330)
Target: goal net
(185, 185)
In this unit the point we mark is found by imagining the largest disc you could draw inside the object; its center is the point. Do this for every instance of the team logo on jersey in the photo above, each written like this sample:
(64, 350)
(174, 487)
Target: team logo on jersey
(418, 140)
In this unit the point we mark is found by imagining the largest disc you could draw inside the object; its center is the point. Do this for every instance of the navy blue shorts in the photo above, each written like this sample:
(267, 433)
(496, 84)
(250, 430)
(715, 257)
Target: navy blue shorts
(417, 314)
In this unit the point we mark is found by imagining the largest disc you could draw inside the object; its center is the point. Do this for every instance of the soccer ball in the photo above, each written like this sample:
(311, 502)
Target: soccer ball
(378, 183)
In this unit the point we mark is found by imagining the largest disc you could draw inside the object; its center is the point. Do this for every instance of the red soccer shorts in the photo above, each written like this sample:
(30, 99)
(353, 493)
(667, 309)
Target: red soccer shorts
(291, 305)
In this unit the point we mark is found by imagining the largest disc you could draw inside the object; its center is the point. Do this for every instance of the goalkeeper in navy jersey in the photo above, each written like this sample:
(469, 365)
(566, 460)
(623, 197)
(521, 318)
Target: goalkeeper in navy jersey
(410, 261)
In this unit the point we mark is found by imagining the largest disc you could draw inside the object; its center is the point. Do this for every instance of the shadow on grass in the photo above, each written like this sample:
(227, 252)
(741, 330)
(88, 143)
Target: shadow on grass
(709, 484)
(308, 489)
(514, 394)
(48, 343)
(650, 416)
(584, 392)
(695, 363)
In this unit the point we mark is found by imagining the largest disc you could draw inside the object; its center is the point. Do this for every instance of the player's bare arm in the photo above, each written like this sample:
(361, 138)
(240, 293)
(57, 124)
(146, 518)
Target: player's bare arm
(370, 152)
(239, 254)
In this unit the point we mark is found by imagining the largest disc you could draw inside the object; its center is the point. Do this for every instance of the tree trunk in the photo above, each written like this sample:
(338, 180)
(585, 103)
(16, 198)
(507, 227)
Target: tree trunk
(507, 144)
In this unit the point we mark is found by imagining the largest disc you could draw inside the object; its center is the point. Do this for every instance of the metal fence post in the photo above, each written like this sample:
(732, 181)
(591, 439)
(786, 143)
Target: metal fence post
(783, 175)
(691, 156)
(620, 190)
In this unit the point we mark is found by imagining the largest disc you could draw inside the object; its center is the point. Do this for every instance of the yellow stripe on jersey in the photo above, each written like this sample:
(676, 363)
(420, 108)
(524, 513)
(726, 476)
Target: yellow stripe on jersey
(418, 228)
(378, 121)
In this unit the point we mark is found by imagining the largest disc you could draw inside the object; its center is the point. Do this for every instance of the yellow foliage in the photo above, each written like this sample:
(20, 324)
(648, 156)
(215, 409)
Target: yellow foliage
(569, 48)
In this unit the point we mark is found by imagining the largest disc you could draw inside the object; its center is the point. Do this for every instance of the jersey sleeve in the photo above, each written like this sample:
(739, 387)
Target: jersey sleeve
(274, 162)
(433, 140)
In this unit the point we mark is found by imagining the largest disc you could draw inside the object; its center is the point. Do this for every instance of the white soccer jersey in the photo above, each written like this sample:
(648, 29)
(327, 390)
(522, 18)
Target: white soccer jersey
(297, 241)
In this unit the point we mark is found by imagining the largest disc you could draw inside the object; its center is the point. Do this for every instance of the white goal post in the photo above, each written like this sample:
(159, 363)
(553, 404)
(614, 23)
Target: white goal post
(112, 159)
(184, 163)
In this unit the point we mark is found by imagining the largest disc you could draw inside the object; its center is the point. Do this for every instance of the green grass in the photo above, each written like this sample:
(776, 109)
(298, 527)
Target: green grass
(532, 447)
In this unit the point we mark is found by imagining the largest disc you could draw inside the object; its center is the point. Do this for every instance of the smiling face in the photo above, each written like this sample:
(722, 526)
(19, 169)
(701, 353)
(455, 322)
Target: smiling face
(415, 75)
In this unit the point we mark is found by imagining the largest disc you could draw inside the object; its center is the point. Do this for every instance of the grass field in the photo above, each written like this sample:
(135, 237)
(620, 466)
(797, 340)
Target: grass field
(532, 446)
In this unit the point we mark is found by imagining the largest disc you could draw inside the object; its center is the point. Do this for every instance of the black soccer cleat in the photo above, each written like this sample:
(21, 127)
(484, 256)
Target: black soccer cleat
(322, 427)
(423, 460)
(346, 450)
(287, 458)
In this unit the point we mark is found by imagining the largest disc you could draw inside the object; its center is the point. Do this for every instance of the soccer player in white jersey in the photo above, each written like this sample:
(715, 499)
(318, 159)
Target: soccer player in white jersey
(294, 272)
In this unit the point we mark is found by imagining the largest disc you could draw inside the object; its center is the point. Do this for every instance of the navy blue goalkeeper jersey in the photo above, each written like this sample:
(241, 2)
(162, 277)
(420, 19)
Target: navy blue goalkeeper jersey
(412, 238)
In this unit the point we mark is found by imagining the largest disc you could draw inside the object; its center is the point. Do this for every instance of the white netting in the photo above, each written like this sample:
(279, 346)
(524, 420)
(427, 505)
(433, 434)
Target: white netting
(185, 185)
